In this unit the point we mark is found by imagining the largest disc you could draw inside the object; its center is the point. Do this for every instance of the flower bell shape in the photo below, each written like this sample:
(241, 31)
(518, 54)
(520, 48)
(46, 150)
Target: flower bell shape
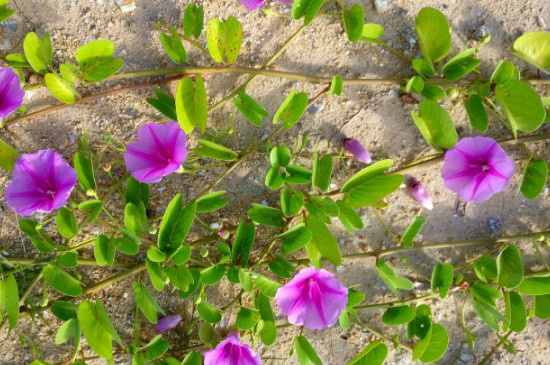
(232, 351)
(11, 95)
(41, 182)
(476, 168)
(159, 150)
(417, 189)
(314, 298)
(255, 4)
(354, 147)
(167, 323)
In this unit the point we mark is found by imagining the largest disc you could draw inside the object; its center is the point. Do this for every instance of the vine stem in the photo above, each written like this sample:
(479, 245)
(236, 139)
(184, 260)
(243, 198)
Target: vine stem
(486, 359)
(379, 334)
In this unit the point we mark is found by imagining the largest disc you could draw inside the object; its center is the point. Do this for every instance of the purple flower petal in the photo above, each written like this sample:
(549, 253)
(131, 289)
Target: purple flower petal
(255, 4)
(420, 193)
(476, 168)
(167, 323)
(232, 352)
(314, 298)
(354, 147)
(11, 95)
(41, 182)
(159, 151)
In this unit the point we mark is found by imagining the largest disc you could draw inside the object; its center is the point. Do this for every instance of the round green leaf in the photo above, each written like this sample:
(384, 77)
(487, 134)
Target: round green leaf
(371, 32)
(66, 222)
(212, 275)
(209, 313)
(395, 316)
(509, 267)
(268, 332)
(515, 312)
(61, 89)
(433, 33)
(534, 48)
(61, 281)
(534, 178)
(476, 113)
(247, 318)
(353, 21)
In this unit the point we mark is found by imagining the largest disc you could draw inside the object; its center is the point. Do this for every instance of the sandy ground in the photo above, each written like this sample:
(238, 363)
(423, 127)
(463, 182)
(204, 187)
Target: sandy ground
(374, 115)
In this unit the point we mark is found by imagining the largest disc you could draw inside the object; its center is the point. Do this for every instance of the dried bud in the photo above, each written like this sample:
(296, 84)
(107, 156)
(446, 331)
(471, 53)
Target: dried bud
(167, 323)
(354, 147)
(417, 189)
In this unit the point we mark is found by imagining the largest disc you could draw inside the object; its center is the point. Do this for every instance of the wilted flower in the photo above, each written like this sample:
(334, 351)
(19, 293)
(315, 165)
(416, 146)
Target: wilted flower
(160, 150)
(11, 95)
(354, 147)
(255, 4)
(417, 189)
(41, 182)
(167, 323)
(476, 168)
(232, 352)
(314, 298)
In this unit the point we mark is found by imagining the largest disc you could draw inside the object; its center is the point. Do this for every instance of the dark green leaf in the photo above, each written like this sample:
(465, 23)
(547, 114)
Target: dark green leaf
(181, 277)
(306, 8)
(93, 207)
(353, 21)
(104, 251)
(137, 192)
(436, 125)
(434, 34)
(175, 226)
(97, 328)
(509, 267)
(68, 259)
(535, 286)
(135, 219)
(412, 231)
(164, 103)
(250, 108)
(488, 314)
(206, 332)
(211, 202)
(193, 358)
(208, 312)
(476, 113)
(268, 332)
(534, 178)
(242, 245)
(516, 315)
(460, 65)
(156, 274)
(295, 238)
(322, 172)
(442, 278)
(64, 310)
(247, 318)
(421, 324)
(146, 302)
(486, 268)
(433, 346)
(156, 350)
(212, 275)
(193, 20)
(291, 109)
(432, 92)
(349, 218)
(195, 275)
(173, 47)
(214, 150)
(66, 222)
(324, 241)
(485, 293)
(395, 316)
(266, 215)
(542, 306)
(155, 255)
(191, 104)
(85, 170)
(9, 300)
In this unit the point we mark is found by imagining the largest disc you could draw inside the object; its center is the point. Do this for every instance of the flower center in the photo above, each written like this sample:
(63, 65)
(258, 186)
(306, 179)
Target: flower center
(51, 194)
(485, 167)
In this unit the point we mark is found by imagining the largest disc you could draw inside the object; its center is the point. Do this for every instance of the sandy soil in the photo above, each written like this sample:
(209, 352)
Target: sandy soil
(374, 115)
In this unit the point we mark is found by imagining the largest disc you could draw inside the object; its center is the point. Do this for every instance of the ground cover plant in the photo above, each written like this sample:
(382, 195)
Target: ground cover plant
(278, 261)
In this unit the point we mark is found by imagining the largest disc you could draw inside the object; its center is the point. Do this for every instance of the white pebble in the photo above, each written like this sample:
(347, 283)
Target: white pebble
(214, 225)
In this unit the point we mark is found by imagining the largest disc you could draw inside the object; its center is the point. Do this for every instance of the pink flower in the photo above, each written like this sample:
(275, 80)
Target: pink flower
(11, 95)
(255, 4)
(314, 298)
(417, 189)
(167, 323)
(354, 147)
(232, 352)
(41, 182)
(160, 150)
(476, 168)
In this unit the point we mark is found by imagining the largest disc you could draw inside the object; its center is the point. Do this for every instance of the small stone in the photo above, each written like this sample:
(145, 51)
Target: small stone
(214, 225)
(495, 224)
(466, 357)
(479, 14)
(340, 268)
(126, 5)
(162, 188)
(9, 25)
(541, 22)
(6, 45)
(381, 5)
(201, 174)
(264, 202)
(316, 108)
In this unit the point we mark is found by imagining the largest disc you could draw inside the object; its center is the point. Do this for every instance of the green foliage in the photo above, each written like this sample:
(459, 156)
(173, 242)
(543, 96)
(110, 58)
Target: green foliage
(393, 281)
(92, 207)
(291, 109)
(211, 202)
(136, 192)
(39, 239)
(476, 113)
(164, 103)
(349, 218)
(336, 86)
(436, 125)
(84, 166)
(247, 318)
(9, 300)
(61, 89)
(442, 278)
(250, 108)
(280, 156)
(38, 52)
(421, 323)
(96, 61)
(305, 353)
(509, 267)
(191, 104)
(224, 39)
(415, 84)
(266, 286)
(322, 172)
(266, 215)
(104, 251)
(534, 179)
(208, 312)
(307, 9)
(486, 268)
(423, 67)
(175, 226)
(146, 302)
(504, 72)
(371, 32)
(212, 275)
(215, 151)
(542, 306)
(173, 47)
(395, 316)
(534, 48)
(242, 245)
(433, 346)
(516, 315)
(66, 223)
(535, 286)
(353, 21)
(193, 20)
(295, 238)
(460, 65)
(97, 328)
(374, 354)
(434, 34)
(61, 281)
(412, 231)
(323, 240)
(5, 12)
(8, 155)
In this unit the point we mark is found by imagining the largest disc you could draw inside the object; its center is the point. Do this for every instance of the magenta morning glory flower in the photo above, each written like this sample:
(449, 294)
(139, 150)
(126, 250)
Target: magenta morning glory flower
(476, 168)
(41, 182)
(232, 352)
(255, 4)
(314, 298)
(354, 147)
(167, 323)
(417, 189)
(160, 150)
(11, 95)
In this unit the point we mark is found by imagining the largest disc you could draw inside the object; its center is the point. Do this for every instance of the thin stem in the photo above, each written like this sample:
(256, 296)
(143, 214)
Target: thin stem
(195, 43)
(396, 302)
(541, 256)
(400, 55)
(381, 220)
(29, 289)
(494, 349)
(379, 334)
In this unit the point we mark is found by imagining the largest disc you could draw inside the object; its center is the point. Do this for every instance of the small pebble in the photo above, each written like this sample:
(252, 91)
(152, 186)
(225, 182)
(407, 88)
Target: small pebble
(162, 188)
(495, 224)
(126, 5)
(340, 268)
(381, 5)
(316, 108)
(201, 174)
(541, 22)
(9, 25)
(264, 202)
(214, 225)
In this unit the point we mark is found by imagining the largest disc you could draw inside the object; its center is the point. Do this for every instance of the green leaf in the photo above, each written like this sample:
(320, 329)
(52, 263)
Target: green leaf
(393, 281)
(195, 275)
(421, 324)
(9, 300)
(268, 332)
(137, 192)
(206, 332)
(96, 61)
(291, 109)
(488, 314)
(93, 207)
(8, 155)
(61, 281)
(65, 221)
(336, 86)
(534, 48)
(432, 92)
(97, 328)
(279, 156)
(504, 72)
(211, 202)
(31, 228)
(242, 245)
(156, 274)
(155, 255)
(435, 125)
(424, 68)
(509, 267)
(63, 310)
(460, 65)
(355, 297)
(349, 218)
(104, 251)
(370, 185)
(38, 52)
(173, 47)
(412, 231)
(193, 358)
(395, 316)
(521, 104)
(298, 174)
(415, 84)
(6, 13)
(542, 306)
(374, 354)
(486, 268)
(305, 352)
(193, 20)
(516, 315)
(433, 346)
(535, 286)
(135, 219)
(295, 238)
(68, 259)
(85, 170)
(476, 113)
(208, 312)
(156, 350)
(212, 275)
(181, 277)
(175, 226)
(60, 89)
(266, 215)
(215, 151)
(324, 241)
(442, 278)
(69, 329)
(434, 34)
(191, 104)
(353, 21)
(247, 318)
(146, 302)
(69, 72)
(266, 286)
(250, 108)
(371, 32)
(322, 208)
(322, 172)
(245, 280)
(534, 179)
(17, 60)
(224, 39)
(485, 293)
(164, 103)
(305, 8)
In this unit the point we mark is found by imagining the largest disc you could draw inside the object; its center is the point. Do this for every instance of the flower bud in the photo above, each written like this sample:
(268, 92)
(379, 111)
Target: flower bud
(167, 323)
(354, 147)
(417, 189)
(107, 167)
(223, 234)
